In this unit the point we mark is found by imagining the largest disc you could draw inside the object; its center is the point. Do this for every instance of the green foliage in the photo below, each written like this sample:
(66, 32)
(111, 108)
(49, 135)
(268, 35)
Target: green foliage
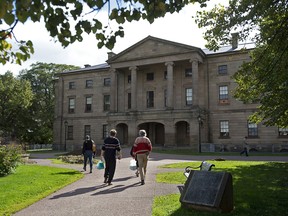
(27, 103)
(38, 127)
(259, 188)
(10, 157)
(67, 21)
(31, 183)
(264, 79)
(15, 99)
(24, 51)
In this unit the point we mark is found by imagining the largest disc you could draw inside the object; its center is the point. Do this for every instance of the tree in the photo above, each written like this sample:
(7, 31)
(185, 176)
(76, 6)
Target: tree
(15, 99)
(39, 118)
(67, 20)
(265, 78)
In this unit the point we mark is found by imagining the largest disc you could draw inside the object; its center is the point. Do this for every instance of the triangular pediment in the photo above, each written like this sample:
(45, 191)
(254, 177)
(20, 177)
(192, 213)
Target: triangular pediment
(151, 47)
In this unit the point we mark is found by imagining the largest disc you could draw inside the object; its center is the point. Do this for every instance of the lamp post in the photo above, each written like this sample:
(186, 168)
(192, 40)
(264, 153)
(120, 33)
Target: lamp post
(65, 136)
(199, 130)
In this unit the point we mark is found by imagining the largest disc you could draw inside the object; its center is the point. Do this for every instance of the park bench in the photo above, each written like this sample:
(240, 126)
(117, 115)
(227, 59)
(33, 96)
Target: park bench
(204, 166)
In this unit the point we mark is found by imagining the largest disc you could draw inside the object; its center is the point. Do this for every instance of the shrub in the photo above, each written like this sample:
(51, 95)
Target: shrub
(72, 159)
(10, 157)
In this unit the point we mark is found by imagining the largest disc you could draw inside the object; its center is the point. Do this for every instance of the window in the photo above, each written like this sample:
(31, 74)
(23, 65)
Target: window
(283, 132)
(165, 98)
(150, 99)
(87, 130)
(72, 85)
(222, 69)
(89, 83)
(224, 129)
(188, 96)
(129, 79)
(107, 81)
(70, 132)
(129, 100)
(223, 92)
(105, 131)
(150, 76)
(188, 72)
(106, 102)
(165, 75)
(71, 108)
(252, 129)
(88, 104)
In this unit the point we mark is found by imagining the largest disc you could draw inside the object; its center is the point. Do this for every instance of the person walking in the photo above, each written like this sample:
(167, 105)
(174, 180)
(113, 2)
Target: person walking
(87, 151)
(245, 147)
(141, 149)
(111, 150)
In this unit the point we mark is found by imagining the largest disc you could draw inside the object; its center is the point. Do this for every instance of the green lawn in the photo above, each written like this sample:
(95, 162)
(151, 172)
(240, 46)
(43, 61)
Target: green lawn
(191, 152)
(259, 188)
(31, 183)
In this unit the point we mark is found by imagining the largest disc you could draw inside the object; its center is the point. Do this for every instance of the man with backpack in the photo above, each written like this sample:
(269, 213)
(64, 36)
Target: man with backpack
(88, 150)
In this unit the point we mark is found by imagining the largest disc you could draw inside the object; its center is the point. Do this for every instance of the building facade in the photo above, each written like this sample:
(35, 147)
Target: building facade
(181, 95)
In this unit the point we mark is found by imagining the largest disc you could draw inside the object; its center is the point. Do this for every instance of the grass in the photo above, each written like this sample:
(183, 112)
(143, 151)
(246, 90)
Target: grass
(31, 183)
(259, 188)
(191, 152)
(57, 161)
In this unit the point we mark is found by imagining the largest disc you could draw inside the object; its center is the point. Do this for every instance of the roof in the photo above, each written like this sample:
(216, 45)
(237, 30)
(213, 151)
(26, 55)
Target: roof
(175, 48)
(90, 68)
(228, 48)
(221, 50)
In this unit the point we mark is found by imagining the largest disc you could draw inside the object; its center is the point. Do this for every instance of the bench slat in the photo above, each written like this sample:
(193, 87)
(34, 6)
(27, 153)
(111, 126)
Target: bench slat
(205, 166)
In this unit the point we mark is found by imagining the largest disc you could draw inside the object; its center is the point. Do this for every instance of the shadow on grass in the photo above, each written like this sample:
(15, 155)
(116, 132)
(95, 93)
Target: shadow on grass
(259, 190)
(67, 173)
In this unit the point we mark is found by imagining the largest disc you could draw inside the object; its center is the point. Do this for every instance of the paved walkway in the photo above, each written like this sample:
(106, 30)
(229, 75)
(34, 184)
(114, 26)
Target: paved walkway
(90, 196)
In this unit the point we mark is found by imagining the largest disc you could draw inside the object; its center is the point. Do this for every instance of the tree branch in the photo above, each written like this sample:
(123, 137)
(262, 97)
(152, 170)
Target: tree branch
(8, 31)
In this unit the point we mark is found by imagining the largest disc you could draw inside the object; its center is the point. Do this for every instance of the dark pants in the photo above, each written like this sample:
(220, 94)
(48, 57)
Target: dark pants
(244, 151)
(88, 155)
(110, 166)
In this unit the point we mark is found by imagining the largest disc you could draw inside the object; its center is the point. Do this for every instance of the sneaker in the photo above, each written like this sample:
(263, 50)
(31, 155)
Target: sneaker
(142, 182)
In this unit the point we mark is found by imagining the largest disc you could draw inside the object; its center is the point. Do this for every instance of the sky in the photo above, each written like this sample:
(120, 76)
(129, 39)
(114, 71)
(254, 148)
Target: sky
(177, 27)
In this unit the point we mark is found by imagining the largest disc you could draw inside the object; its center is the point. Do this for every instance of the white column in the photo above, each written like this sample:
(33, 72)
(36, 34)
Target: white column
(113, 90)
(195, 81)
(133, 88)
(170, 88)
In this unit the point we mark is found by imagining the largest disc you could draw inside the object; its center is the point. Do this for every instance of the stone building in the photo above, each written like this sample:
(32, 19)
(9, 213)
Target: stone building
(181, 95)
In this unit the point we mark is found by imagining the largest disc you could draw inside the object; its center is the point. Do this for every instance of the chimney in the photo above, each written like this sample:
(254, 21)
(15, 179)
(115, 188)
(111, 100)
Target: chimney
(235, 37)
(87, 65)
(111, 54)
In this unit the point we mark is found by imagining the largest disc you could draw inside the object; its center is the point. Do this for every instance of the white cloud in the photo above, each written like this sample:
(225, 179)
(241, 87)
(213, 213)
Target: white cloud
(177, 27)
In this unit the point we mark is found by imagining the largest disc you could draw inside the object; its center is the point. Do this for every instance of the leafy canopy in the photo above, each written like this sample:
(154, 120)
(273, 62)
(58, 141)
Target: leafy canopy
(265, 78)
(27, 103)
(15, 98)
(67, 20)
(38, 120)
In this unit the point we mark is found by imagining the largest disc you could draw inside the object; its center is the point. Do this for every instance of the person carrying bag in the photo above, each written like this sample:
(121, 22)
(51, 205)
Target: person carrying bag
(141, 150)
